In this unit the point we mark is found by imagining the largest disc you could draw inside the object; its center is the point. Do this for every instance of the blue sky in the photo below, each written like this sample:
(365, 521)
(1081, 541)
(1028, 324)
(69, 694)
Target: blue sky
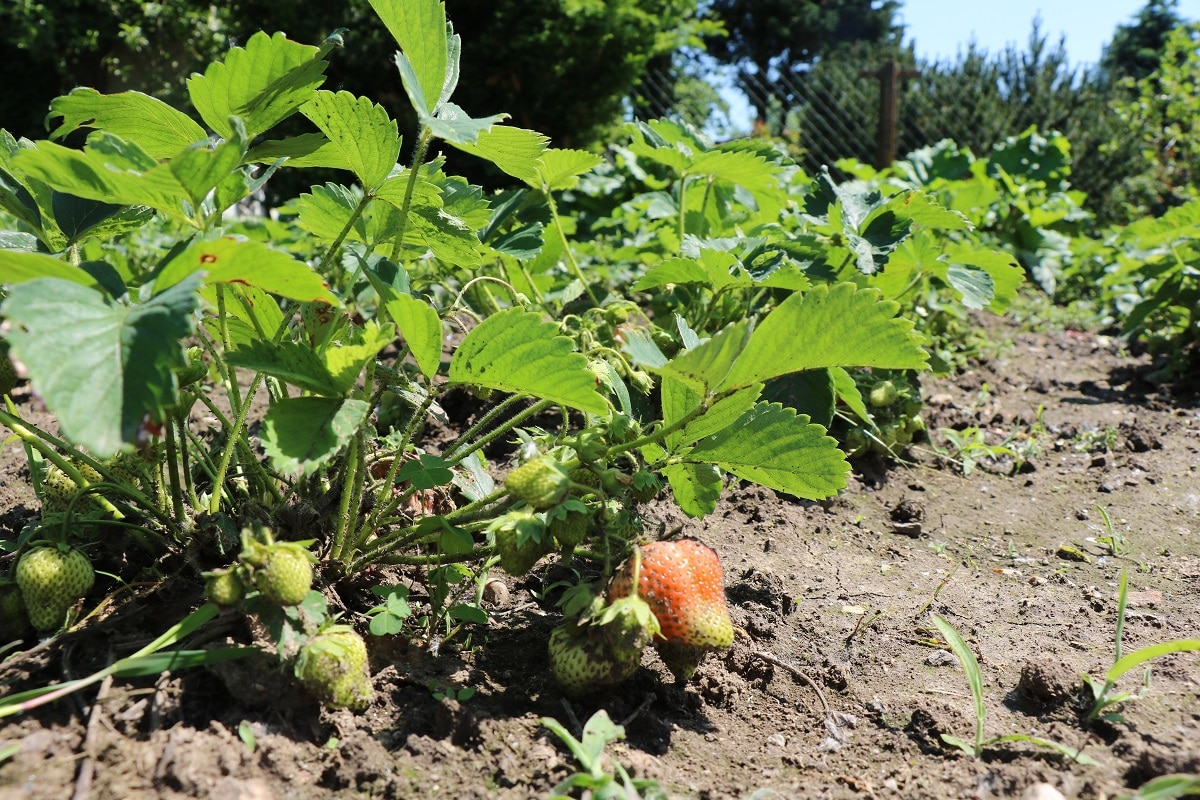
(941, 28)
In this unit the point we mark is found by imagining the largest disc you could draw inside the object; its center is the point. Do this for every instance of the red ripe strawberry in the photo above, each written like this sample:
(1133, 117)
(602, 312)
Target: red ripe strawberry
(684, 585)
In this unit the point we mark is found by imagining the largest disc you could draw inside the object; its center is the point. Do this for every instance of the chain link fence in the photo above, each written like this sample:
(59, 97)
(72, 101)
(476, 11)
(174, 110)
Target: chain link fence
(832, 111)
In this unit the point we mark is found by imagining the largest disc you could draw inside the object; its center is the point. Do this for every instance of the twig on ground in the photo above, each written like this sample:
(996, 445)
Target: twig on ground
(796, 672)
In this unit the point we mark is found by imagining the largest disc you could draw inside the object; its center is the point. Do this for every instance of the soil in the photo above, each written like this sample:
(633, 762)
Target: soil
(837, 685)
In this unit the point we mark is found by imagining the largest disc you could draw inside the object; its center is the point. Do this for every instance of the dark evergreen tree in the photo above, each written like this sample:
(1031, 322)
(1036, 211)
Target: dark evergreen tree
(1136, 48)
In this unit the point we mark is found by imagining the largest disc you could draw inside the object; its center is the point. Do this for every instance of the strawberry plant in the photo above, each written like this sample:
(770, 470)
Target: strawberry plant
(320, 346)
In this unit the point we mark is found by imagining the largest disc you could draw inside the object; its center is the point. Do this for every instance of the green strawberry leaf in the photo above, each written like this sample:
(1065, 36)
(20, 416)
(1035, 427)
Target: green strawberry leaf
(427, 472)
(345, 362)
(103, 367)
(516, 151)
(361, 131)
(515, 351)
(995, 288)
(108, 170)
(696, 487)
(228, 260)
(20, 267)
(560, 169)
(263, 83)
(774, 447)
(457, 126)
(302, 434)
(712, 268)
(421, 328)
(811, 331)
(159, 129)
(291, 362)
(79, 218)
(419, 27)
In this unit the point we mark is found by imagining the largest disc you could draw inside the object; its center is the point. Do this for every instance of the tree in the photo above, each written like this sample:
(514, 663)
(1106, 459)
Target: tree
(778, 38)
(783, 35)
(1135, 49)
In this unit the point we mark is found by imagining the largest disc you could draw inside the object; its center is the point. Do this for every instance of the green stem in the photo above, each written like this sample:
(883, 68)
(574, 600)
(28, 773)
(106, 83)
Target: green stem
(683, 179)
(484, 441)
(418, 158)
(231, 444)
(484, 421)
(437, 559)
(352, 484)
(567, 245)
(659, 433)
(323, 267)
(173, 472)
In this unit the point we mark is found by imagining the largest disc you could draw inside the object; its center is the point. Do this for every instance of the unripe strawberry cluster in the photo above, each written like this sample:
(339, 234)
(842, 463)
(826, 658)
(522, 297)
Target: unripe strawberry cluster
(893, 399)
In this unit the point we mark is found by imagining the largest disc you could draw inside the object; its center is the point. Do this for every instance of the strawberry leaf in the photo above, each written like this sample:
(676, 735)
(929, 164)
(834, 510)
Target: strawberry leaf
(159, 129)
(228, 260)
(301, 434)
(103, 367)
(361, 131)
(811, 331)
(777, 448)
(263, 82)
(696, 487)
(515, 351)
(419, 27)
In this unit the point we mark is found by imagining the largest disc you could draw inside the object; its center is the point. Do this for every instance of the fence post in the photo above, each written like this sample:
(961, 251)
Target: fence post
(889, 75)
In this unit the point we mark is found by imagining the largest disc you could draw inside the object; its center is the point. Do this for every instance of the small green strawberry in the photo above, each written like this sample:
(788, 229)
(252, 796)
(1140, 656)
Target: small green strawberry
(646, 486)
(58, 488)
(883, 394)
(582, 662)
(52, 579)
(195, 370)
(287, 575)
(568, 523)
(14, 620)
(8, 373)
(225, 587)
(541, 482)
(282, 571)
(333, 665)
(520, 540)
(681, 659)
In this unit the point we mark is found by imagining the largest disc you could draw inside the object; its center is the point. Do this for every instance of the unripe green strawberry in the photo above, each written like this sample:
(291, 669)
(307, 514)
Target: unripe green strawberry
(225, 587)
(14, 620)
(681, 659)
(569, 523)
(627, 625)
(646, 486)
(582, 663)
(883, 394)
(540, 482)
(284, 574)
(333, 665)
(52, 579)
(520, 540)
(195, 370)
(58, 488)
(8, 373)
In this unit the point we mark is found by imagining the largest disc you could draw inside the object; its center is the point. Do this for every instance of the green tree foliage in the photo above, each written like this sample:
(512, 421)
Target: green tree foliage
(561, 67)
(1164, 111)
(785, 34)
(111, 45)
(1136, 48)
